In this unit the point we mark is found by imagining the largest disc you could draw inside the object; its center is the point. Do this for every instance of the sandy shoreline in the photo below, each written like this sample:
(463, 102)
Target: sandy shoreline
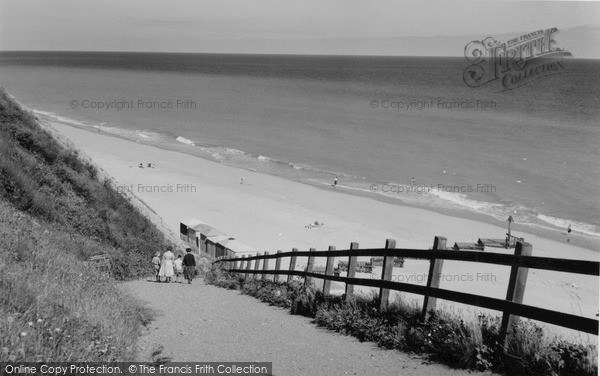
(270, 214)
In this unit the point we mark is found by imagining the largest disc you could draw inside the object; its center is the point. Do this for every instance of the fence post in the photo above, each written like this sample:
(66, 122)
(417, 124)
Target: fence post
(265, 267)
(433, 278)
(241, 266)
(290, 277)
(256, 267)
(236, 263)
(309, 268)
(328, 271)
(248, 267)
(515, 291)
(386, 274)
(351, 270)
(277, 268)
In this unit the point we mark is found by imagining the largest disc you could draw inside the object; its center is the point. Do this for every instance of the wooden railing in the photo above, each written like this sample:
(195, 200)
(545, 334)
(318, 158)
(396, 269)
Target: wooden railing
(512, 307)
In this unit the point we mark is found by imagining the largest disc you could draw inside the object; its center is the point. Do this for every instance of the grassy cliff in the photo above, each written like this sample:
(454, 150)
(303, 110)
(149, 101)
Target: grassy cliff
(42, 178)
(55, 212)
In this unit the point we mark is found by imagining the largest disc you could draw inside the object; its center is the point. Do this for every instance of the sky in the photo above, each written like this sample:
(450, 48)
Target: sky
(398, 27)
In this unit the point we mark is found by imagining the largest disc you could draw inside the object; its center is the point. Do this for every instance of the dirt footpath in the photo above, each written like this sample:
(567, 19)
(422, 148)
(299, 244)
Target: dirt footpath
(201, 322)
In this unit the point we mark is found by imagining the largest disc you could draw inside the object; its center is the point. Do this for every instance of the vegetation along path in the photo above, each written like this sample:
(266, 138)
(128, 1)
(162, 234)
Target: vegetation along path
(202, 322)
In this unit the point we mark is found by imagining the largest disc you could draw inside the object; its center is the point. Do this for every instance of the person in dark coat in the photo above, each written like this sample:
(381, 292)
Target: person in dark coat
(189, 265)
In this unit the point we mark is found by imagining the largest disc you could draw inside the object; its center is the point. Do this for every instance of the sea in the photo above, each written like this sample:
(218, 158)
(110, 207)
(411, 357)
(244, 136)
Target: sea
(406, 130)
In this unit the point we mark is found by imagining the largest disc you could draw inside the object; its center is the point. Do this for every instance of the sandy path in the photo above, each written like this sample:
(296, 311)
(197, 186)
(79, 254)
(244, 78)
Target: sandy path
(201, 322)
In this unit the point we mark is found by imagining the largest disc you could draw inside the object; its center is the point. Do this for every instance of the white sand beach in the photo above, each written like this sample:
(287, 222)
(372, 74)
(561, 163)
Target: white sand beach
(270, 214)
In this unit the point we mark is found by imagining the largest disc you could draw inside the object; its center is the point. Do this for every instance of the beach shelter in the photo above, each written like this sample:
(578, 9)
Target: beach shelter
(203, 232)
(221, 247)
(233, 248)
(184, 230)
(211, 243)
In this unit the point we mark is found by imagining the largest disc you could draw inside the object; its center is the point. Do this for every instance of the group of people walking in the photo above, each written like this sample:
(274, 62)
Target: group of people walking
(169, 266)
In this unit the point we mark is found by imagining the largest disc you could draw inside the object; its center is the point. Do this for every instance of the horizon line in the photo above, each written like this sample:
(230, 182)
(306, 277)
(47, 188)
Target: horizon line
(252, 54)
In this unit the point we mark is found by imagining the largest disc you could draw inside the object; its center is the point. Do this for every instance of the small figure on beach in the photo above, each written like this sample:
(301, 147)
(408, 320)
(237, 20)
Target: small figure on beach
(141, 165)
(178, 265)
(569, 229)
(166, 265)
(316, 224)
(189, 266)
(412, 181)
(156, 264)
(335, 182)
(242, 181)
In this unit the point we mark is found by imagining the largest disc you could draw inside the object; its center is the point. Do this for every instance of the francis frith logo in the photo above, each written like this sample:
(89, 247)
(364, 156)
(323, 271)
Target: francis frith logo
(517, 62)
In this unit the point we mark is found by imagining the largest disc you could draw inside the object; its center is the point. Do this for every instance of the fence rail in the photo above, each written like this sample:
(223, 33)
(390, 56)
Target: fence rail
(512, 307)
(532, 262)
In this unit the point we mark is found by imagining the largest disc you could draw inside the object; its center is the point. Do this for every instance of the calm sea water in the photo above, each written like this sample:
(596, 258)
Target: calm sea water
(374, 122)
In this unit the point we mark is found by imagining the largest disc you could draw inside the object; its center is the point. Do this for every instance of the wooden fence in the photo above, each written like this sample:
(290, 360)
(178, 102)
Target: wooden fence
(512, 307)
